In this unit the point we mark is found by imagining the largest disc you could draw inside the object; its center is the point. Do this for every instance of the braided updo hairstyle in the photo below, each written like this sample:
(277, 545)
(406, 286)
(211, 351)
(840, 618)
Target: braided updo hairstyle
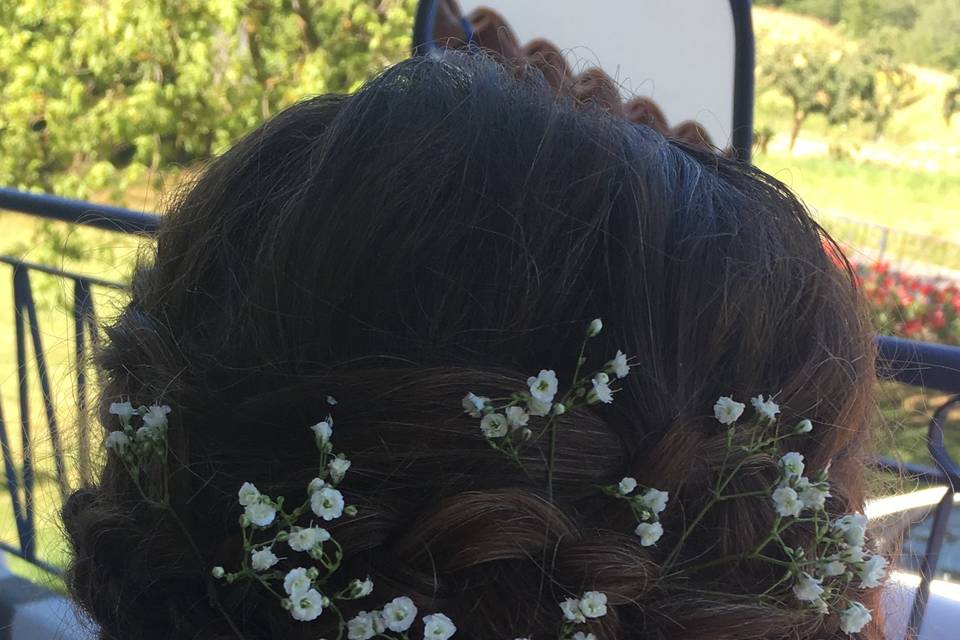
(455, 227)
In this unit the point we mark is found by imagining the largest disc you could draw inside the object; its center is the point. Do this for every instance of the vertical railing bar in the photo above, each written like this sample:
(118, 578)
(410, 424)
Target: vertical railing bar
(13, 484)
(81, 300)
(44, 377)
(27, 537)
(928, 564)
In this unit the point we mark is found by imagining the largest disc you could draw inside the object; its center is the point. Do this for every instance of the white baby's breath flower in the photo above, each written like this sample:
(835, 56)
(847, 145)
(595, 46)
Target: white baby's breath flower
(218, 572)
(399, 614)
(437, 626)
(338, 468)
(156, 416)
(263, 559)
(571, 610)
(821, 607)
(619, 365)
(594, 328)
(831, 566)
(543, 386)
(323, 431)
(792, 465)
(494, 425)
(124, 410)
(727, 410)
(261, 513)
(854, 618)
(627, 485)
(474, 404)
(807, 588)
(655, 500)
(649, 532)
(851, 555)
(804, 426)
(559, 409)
(307, 606)
(306, 538)
(873, 572)
(362, 626)
(517, 417)
(118, 442)
(580, 635)
(296, 582)
(327, 503)
(315, 485)
(593, 604)
(854, 528)
(813, 496)
(787, 502)
(538, 408)
(767, 409)
(601, 391)
(331, 401)
(361, 588)
(145, 435)
(248, 494)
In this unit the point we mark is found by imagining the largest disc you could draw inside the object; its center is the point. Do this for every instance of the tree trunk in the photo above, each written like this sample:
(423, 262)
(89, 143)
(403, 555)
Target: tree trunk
(798, 118)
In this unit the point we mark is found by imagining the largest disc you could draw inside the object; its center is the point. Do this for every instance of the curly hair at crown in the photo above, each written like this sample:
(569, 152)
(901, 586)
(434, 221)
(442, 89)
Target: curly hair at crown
(454, 226)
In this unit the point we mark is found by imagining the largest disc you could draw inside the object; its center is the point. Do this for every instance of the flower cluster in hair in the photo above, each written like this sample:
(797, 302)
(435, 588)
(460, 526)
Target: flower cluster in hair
(270, 528)
(136, 445)
(817, 578)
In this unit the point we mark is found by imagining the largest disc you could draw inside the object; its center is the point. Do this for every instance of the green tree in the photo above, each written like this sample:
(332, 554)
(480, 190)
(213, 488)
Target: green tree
(890, 88)
(101, 95)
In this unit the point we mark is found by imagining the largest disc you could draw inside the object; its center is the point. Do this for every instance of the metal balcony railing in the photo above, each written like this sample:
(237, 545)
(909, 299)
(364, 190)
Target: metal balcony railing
(931, 366)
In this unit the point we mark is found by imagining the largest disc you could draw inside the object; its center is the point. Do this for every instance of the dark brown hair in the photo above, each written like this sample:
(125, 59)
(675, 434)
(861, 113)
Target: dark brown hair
(453, 227)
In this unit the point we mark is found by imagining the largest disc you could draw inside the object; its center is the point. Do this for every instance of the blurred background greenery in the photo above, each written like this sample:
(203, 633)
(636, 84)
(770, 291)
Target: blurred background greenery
(858, 110)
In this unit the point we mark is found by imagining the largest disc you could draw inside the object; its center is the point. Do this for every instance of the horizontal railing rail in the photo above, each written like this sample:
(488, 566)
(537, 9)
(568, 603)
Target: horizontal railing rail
(931, 366)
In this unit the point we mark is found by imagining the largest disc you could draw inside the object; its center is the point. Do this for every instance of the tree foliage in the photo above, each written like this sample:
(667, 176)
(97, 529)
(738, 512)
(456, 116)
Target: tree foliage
(99, 95)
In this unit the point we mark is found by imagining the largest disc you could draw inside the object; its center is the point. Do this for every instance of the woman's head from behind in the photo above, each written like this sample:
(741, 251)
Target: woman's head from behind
(453, 227)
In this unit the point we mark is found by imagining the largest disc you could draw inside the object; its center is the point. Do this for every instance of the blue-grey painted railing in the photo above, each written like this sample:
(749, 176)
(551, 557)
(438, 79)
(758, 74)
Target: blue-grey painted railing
(931, 366)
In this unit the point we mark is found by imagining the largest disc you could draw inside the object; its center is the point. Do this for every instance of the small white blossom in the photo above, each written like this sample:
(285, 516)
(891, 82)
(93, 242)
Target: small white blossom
(148, 435)
(873, 572)
(594, 328)
(832, 566)
(580, 635)
(473, 404)
(655, 500)
(361, 588)
(787, 502)
(727, 410)
(821, 607)
(649, 532)
(307, 606)
(438, 627)
(593, 604)
(627, 485)
(852, 555)
(296, 582)
(601, 391)
(331, 401)
(619, 365)
(768, 409)
(538, 408)
(323, 431)
(807, 588)
(327, 503)
(306, 538)
(156, 416)
(559, 409)
(124, 410)
(261, 514)
(792, 465)
(362, 626)
(263, 559)
(315, 485)
(517, 417)
(494, 425)
(338, 468)
(804, 426)
(118, 442)
(543, 386)
(218, 572)
(854, 618)
(571, 610)
(854, 528)
(399, 614)
(812, 495)
(248, 494)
